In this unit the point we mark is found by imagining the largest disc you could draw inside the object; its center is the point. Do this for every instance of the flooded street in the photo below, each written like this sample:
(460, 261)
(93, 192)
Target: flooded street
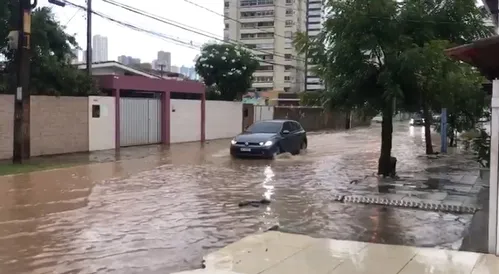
(162, 213)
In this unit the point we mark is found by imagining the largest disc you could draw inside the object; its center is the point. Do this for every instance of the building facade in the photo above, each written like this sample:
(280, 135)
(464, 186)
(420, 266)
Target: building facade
(164, 61)
(128, 60)
(267, 27)
(99, 49)
(314, 26)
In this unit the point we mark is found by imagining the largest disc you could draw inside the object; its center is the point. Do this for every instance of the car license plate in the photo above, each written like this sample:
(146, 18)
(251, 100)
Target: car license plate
(246, 149)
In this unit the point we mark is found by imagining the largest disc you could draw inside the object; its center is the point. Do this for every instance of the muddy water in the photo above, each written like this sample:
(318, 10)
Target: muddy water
(164, 212)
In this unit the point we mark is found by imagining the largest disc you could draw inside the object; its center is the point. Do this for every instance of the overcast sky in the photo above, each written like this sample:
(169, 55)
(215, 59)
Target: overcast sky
(125, 41)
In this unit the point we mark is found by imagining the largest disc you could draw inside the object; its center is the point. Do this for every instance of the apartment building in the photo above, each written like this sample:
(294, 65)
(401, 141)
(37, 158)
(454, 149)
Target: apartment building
(268, 27)
(314, 25)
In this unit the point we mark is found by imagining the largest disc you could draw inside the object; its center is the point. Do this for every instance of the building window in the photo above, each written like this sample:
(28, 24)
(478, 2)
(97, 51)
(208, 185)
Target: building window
(289, 23)
(247, 36)
(226, 26)
(257, 25)
(288, 34)
(265, 35)
(288, 78)
(289, 12)
(287, 89)
(287, 68)
(226, 4)
(253, 3)
(288, 2)
(265, 68)
(265, 46)
(264, 79)
(288, 57)
(267, 57)
(254, 14)
(95, 111)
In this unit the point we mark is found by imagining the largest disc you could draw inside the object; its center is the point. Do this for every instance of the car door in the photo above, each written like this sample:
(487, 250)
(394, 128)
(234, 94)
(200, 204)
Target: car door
(300, 135)
(287, 139)
(295, 137)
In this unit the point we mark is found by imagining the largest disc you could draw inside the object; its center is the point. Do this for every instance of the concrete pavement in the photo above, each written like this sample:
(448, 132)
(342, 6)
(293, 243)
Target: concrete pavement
(280, 253)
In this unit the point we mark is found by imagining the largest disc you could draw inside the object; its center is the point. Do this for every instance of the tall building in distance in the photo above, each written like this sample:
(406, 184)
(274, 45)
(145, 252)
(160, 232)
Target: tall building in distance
(128, 60)
(164, 61)
(314, 26)
(99, 49)
(75, 59)
(268, 28)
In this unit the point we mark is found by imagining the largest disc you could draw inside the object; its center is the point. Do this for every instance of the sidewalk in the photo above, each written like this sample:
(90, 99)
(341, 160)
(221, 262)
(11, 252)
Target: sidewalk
(279, 253)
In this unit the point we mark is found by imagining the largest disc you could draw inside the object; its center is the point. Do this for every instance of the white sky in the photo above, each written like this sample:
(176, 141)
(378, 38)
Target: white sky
(124, 41)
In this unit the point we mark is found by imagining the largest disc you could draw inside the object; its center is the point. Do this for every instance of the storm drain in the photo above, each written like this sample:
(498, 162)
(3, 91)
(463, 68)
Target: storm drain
(406, 204)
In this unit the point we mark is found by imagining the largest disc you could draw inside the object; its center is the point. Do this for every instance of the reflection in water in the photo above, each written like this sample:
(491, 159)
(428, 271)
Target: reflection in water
(162, 213)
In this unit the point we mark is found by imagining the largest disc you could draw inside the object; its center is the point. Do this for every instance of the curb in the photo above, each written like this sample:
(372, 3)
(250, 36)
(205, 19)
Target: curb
(406, 204)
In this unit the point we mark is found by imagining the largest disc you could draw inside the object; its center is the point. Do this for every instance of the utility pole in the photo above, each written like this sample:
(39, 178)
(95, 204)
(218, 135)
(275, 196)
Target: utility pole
(89, 37)
(20, 43)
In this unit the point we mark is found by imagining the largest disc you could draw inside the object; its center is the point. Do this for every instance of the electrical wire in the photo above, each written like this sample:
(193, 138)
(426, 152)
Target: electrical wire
(163, 36)
(176, 24)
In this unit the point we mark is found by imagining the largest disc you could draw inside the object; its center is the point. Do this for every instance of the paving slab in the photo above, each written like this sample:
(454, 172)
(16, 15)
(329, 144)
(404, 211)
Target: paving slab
(282, 253)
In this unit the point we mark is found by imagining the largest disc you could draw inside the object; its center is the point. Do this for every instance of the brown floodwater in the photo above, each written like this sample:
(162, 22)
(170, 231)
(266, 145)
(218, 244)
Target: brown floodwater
(163, 212)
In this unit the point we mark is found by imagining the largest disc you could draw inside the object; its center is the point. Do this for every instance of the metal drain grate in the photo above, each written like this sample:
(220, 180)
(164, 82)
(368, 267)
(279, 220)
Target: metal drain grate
(406, 204)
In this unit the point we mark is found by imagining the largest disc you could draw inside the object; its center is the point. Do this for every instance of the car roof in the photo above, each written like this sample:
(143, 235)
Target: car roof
(276, 121)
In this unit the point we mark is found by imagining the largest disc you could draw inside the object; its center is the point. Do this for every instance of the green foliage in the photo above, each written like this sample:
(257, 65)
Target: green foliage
(51, 69)
(387, 55)
(227, 68)
(481, 147)
(311, 98)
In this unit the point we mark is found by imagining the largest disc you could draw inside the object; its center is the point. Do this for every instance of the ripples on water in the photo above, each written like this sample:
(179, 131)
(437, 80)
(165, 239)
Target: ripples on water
(167, 218)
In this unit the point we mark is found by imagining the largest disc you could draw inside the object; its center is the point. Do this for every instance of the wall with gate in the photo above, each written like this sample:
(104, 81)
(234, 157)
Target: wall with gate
(223, 119)
(185, 120)
(6, 126)
(58, 125)
(140, 121)
(312, 118)
(263, 113)
(101, 123)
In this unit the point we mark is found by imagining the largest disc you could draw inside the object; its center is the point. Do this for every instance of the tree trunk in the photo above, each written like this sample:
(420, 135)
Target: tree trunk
(385, 167)
(348, 121)
(427, 129)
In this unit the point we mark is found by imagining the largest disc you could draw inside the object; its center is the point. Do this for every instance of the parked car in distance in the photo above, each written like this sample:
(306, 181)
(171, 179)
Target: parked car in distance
(377, 119)
(267, 139)
(416, 121)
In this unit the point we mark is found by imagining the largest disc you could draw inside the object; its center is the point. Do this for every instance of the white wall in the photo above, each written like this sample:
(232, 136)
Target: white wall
(185, 120)
(223, 119)
(101, 131)
(263, 113)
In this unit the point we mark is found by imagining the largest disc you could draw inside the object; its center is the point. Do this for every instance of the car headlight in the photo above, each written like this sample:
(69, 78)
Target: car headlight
(233, 142)
(267, 144)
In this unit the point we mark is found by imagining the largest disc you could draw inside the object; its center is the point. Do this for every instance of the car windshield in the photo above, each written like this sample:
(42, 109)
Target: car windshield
(265, 127)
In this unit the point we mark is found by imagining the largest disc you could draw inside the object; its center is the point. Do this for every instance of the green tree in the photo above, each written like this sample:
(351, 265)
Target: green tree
(361, 54)
(51, 70)
(432, 26)
(357, 53)
(227, 68)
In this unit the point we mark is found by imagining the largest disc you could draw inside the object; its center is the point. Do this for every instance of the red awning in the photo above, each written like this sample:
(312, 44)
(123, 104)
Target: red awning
(483, 54)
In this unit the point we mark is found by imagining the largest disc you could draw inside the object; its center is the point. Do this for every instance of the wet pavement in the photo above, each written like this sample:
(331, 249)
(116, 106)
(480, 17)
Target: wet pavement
(161, 213)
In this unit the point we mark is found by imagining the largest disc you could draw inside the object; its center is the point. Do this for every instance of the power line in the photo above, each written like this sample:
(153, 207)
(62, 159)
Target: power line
(131, 26)
(161, 35)
(176, 24)
(70, 19)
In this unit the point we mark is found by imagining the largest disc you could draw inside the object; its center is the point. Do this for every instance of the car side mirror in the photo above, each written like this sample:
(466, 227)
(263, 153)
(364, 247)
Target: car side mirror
(285, 132)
